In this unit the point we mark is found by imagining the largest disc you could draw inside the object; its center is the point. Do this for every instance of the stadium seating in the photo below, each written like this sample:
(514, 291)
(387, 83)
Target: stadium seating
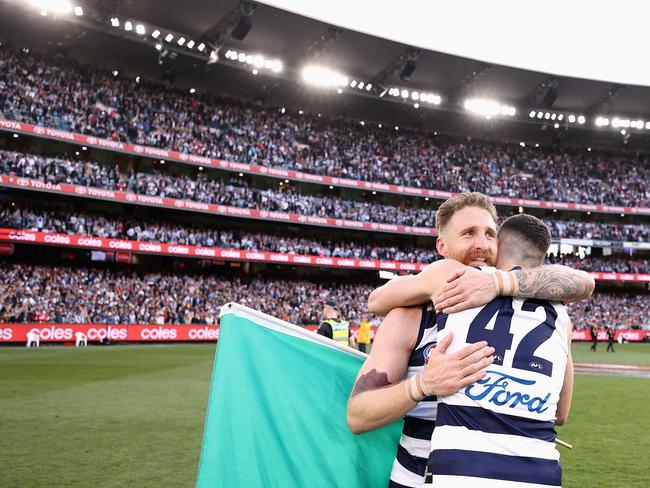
(32, 293)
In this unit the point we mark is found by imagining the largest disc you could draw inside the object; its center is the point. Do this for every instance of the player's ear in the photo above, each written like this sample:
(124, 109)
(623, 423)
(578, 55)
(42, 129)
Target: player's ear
(441, 247)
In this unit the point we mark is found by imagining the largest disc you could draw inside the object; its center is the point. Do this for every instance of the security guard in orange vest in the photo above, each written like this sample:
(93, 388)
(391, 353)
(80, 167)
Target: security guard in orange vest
(332, 326)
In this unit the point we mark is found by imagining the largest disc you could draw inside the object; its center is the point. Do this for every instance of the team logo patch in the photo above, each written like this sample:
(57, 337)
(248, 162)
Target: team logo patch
(427, 352)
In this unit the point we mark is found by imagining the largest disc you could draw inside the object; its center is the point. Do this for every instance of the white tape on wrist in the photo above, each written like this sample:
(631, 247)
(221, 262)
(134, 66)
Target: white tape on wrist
(505, 283)
(414, 385)
(423, 386)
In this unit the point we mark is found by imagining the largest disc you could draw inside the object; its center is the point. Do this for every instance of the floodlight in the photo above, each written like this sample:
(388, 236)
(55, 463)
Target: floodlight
(602, 121)
(488, 108)
(55, 6)
(320, 76)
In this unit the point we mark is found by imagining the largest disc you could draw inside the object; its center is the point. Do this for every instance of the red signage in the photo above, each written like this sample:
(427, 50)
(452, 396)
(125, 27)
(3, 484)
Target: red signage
(115, 333)
(9, 125)
(87, 242)
(211, 208)
(630, 335)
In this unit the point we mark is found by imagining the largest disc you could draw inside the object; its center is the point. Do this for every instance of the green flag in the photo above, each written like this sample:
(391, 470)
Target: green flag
(276, 411)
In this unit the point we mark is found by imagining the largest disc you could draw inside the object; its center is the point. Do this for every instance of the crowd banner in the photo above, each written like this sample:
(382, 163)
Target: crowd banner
(281, 173)
(276, 413)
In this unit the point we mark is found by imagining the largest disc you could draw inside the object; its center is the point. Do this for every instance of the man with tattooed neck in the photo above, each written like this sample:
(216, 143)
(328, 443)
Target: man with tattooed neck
(406, 368)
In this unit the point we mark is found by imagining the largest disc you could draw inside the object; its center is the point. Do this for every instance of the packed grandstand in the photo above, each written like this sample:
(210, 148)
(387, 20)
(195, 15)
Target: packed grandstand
(66, 284)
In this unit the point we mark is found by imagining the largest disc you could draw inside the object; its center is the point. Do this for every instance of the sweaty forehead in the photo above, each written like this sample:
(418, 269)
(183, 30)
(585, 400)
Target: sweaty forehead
(471, 217)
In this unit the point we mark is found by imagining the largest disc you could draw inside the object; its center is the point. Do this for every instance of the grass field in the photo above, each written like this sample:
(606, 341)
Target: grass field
(133, 417)
(631, 353)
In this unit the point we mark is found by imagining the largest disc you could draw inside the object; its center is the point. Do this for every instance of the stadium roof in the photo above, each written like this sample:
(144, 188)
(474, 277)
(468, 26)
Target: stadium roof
(297, 40)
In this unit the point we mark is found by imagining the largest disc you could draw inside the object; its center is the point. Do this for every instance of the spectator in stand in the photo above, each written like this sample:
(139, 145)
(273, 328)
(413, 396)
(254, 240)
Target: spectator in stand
(50, 92)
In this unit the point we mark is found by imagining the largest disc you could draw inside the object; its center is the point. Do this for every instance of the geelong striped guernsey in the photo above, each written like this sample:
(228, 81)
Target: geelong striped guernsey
(410, 463)
(500, 431)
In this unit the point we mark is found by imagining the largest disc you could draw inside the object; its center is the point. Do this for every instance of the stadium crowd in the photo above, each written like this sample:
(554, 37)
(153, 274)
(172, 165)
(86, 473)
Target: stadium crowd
(234, 191)
(606, 264)
(84, 223)
(89, 100)
(237, 192)
(33, 293)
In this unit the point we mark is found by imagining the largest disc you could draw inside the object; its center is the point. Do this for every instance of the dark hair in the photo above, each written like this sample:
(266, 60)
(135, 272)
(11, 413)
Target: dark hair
(468, 199)
(526, 236)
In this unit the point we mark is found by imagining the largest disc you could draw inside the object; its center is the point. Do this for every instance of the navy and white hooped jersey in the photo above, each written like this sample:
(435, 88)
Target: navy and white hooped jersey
(500, 431)
(410, 464)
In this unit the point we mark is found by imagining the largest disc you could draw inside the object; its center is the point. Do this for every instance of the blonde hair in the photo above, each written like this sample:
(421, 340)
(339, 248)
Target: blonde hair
(468, 199)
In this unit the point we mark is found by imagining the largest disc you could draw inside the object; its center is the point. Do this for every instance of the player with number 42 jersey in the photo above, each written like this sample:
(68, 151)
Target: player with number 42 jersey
(500, 430)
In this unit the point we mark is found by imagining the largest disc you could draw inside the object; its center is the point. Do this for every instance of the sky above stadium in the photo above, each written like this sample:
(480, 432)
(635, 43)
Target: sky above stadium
(597, 39)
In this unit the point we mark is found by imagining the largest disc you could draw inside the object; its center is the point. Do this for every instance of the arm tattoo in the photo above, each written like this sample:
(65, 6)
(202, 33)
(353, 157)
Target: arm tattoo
(554, 282)
(372, 380)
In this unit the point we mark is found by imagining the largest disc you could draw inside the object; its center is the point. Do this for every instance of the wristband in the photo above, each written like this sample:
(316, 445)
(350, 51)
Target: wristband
(407, 383)
(423, 386)
(416, 389)
(505, 283)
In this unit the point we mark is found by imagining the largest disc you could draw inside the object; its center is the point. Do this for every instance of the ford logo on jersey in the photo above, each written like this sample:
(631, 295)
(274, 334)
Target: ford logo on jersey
(503, 389)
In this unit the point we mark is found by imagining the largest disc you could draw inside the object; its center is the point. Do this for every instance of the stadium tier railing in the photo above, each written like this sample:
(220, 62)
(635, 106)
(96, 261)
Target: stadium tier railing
(135, 149)
(209, 208)
(11, 236)
(128, 198)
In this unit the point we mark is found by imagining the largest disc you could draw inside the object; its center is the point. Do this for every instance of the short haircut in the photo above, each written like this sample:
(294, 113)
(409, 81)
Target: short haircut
(468, 199)
(525, 238)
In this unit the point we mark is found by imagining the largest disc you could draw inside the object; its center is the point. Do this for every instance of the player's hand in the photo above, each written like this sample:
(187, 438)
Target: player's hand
(445, 374)
(465, 288)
